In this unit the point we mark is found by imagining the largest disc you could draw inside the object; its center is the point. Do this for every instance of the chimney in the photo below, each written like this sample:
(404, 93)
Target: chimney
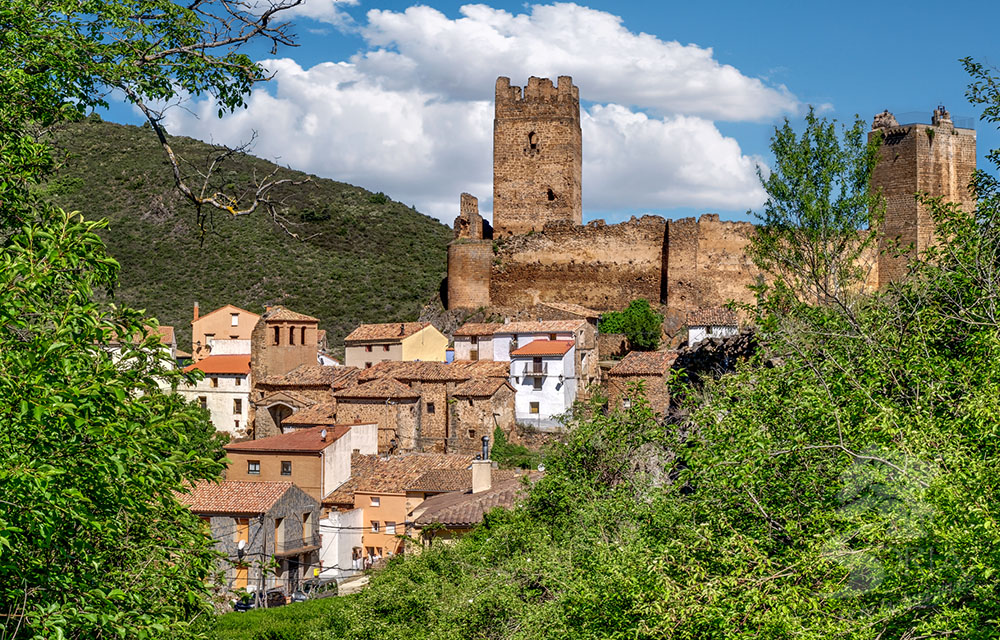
(195, 311)
(482, 470)
(402, 328)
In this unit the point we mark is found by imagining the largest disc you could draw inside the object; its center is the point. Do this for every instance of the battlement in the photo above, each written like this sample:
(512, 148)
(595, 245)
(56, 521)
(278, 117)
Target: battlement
(538, 90)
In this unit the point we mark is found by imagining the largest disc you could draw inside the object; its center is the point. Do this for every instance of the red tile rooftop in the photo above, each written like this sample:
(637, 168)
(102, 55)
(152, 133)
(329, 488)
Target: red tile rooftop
(249, 498)
(297, 441)
(234, 364)
(387, 331)
(543, 348)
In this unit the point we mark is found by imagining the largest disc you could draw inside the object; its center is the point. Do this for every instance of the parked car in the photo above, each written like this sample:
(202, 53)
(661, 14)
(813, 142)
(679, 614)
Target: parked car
(274, 598)
(246, 602)
(299, 596)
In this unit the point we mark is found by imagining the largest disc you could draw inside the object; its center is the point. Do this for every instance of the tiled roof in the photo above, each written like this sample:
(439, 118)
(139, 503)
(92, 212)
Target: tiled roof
(480, 387)
(231, 308)
(310, 375)
(345, 377)
(379, 388)
(644, 363)
(575, 309)
(249, 498)
(478, 329)
(436, 371)
(388, 331)
(324, 413)
(543, 348)
(542, 326)
(398, 473)
(182, 354)
(361, 467)
(164, 332)
(461, 509)
(283, 314)
(296, 441)
(442, 480)
(712, 317)
(222, 364)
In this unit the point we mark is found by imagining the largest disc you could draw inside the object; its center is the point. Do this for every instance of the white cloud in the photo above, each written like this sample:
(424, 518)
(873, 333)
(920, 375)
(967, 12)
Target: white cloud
(328, 11)
(412, 115)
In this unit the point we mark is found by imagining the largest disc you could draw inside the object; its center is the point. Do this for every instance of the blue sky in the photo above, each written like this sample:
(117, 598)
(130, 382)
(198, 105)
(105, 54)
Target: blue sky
(680, 98)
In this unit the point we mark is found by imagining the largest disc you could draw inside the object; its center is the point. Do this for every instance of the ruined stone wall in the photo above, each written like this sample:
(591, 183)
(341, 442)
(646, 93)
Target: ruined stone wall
(706, 265)
(473, 418)
(938, 159)
(397, 420)
(595, 265)
(469, 265)
(537, 155)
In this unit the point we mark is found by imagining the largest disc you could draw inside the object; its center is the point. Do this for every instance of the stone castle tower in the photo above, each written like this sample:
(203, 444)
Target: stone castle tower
(938, 159)
(537, 155)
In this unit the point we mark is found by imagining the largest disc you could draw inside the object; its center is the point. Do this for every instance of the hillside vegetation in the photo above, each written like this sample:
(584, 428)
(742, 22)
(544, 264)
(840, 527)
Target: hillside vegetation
(362, 257)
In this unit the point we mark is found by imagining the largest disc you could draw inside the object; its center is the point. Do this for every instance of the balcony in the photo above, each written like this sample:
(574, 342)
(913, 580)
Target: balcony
(536, 369)
(296, 545)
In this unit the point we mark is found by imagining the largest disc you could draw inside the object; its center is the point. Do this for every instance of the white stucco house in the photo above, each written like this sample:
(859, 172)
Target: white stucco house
(543, 372)
(224, 391)
(712, 322)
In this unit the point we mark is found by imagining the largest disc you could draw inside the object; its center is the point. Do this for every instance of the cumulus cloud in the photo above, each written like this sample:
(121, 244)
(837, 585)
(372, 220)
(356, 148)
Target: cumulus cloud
(412, 115)
(328, 11)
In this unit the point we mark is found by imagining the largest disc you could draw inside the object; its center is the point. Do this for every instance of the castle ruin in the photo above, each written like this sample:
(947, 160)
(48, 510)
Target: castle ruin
(538, 250)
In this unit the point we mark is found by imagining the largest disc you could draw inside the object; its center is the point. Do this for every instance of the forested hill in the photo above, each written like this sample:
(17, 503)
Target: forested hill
(363, 257)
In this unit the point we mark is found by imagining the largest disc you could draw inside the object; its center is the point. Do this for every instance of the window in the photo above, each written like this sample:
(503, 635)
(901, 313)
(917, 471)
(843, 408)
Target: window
(552, 336)
(367, 365)
(533, 407)
(375, 527)
(307, 531)
(253, 467)
(551, 195)
(209, 339)
(536, 384)
(286, 467)
(236, 425)
(215, 382)
(277, 336)
(533, 141)
(291, 335)
(390, 527)
(385, 347)
(203, 402)
(279, 537)
(474, 340)
(474, 354)
(430, 407)
(302, 336)
(237, 406)
(240, 579)
(374, 501)
(472, 433)
(368, 348)
(234, 319)
(234, 337)
(470, 402)
(242, 532)
(239, 381)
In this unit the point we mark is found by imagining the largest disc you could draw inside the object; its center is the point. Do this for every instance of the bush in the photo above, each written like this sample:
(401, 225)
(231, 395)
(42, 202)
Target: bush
(639, 322)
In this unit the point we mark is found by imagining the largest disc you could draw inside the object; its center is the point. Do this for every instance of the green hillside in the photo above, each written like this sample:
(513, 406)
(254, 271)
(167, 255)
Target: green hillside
(363, 257)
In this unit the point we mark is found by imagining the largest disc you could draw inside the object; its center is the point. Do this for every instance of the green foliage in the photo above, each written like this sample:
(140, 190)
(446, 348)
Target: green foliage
(91, 535)
(812, 231)
(293, 621)
(512, 456)
(357, 262)
(640, 323)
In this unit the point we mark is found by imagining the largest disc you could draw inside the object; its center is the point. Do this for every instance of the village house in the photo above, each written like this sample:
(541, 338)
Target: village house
(370, 344)
(712, 322)
(447, 516)
(224, 391)
(411, 401)
(474, 340)
(280, 399)
(225, 331)
(651, 369)
(267, 532)
(544, 374)
(386, 489)
(317, 459)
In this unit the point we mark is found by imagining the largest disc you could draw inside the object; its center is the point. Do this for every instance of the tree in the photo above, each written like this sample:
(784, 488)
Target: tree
(821, 216)
(639, 322)
(60, 58)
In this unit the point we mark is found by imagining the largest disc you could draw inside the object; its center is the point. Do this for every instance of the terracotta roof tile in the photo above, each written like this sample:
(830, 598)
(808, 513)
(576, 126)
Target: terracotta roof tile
(310, 375)
(544, 348)
(436, 371)
(542, 326)
(398, 473)
(480, 387)
(712, 317)
(284, 395)
(463, 509)
(296, 441)
(478, 329)
(222, 364)
(234, 497)
(361, 466)
(282, 314)
(442, 480)
(323, 413)
(644, 363)
(387, 331)
(379, 388)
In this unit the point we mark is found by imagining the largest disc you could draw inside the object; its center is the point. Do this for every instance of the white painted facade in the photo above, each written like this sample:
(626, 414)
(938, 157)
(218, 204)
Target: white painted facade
(337, 457)
(481, 346)
(341, 535)
(227, 400)
(228, 347)
(699, 332)
(502, 341)
(552, 396)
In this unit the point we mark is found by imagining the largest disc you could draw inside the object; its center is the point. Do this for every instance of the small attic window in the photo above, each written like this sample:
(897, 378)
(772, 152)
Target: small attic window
(533, 141)
(551, 195)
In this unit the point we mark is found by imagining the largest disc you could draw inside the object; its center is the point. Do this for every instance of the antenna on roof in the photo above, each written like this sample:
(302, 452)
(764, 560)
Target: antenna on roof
(322, 435)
